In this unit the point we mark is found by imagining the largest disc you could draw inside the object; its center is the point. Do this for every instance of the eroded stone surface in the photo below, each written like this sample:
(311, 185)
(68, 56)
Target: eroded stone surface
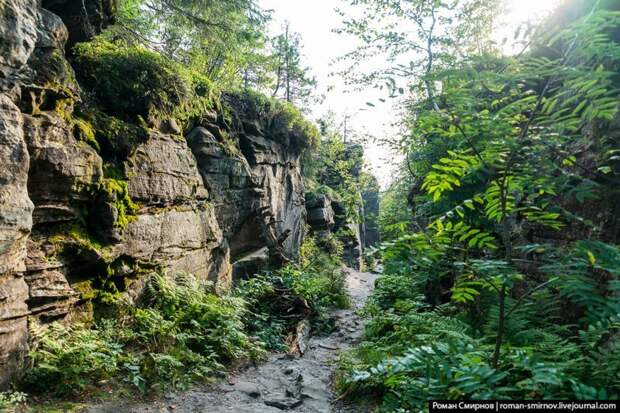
(187, 240)
(18, 33)
(15, 205)
(62, 169)
(13, 324)
(163, 171)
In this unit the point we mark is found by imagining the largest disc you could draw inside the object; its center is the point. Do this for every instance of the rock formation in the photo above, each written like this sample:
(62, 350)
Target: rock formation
(354, 222)
(92, 201)
(326, 217)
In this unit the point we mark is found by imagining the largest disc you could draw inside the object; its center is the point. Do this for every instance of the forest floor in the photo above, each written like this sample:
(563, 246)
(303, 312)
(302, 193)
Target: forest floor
(283, 382)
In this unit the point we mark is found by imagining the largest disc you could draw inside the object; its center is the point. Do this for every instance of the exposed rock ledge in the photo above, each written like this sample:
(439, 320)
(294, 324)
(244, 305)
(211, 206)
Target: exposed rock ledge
(183, 203)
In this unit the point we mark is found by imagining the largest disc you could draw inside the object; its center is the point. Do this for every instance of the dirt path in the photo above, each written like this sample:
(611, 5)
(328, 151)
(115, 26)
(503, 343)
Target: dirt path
(283, 382)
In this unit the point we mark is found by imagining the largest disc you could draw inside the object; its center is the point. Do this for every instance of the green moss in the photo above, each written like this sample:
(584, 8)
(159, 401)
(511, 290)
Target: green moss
(63, 106)
(83, 238)
(132, 81)
(77, 236)
(282, 121)
(118, 193)
(115, 137)
(85, 289)
(83, 131)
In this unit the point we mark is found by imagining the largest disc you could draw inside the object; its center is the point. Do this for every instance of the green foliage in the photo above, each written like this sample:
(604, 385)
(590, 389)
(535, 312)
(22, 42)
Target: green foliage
(132, 82)
(184, 333)
(336, 169)
(12, 400)
(83, 131)
(412, 39)
(279, 299)
(412, 352)
(282, 121)
(292, 82)
(211, 324)
(223, 40)
(395, 214)
(503, 155)
(69, 359)
(589, 277)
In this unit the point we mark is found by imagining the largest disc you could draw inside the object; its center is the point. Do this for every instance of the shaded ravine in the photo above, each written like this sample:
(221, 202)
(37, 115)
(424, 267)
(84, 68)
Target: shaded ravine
(281, 383)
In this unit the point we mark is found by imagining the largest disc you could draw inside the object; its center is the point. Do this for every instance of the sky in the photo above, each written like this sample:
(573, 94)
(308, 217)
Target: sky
(315, 20)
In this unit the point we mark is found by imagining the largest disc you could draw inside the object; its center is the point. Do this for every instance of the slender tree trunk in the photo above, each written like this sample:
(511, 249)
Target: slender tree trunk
(507, 240)
(278, 78)
(500, 327)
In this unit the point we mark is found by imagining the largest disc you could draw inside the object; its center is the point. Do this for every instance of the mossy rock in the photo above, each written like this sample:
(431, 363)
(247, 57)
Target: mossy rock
(111, 208)
(132, 81)
(83, 131)
(280, 121)
(116, 138)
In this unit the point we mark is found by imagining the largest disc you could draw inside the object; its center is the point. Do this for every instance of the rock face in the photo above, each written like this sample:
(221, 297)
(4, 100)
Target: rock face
(18, 31)
(327, 217)
(83, 18)
(320, 213)
(256, 186)
(90, 201)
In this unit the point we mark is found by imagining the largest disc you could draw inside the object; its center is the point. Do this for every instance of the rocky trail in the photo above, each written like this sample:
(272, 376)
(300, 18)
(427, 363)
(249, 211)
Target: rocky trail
(282, 383)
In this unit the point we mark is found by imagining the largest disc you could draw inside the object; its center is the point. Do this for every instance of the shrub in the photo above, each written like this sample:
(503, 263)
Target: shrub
(132, 81)
(210, 324)
(279, 299)
(413, 351)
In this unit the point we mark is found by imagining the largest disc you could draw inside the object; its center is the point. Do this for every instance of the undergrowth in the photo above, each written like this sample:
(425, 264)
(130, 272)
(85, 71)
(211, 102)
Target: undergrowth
(280, 299)
(413, 351)
(181, 332)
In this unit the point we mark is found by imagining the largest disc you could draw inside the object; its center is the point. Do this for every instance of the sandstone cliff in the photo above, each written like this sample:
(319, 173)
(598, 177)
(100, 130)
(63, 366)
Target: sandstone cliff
(103, 183)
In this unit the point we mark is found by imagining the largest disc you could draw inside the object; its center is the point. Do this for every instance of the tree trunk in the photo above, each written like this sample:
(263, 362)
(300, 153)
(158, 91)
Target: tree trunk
(500, 327)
